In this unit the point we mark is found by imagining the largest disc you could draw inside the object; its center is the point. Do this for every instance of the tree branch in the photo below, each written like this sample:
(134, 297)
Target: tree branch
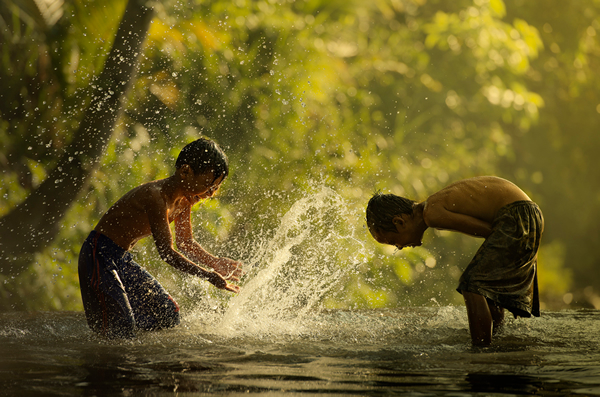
(33, 224)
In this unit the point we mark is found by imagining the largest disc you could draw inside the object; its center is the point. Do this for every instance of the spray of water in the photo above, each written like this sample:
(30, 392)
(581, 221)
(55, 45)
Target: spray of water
(291, 274)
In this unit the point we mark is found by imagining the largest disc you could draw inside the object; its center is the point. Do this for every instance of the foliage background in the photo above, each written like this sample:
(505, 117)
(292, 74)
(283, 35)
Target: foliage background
(403, 96)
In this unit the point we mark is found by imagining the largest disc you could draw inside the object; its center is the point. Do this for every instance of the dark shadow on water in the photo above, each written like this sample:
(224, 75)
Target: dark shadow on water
(517, 384)
(138, 377)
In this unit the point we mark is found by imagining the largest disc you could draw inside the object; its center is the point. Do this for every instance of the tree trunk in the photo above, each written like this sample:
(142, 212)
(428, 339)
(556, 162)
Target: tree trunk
(33, 224)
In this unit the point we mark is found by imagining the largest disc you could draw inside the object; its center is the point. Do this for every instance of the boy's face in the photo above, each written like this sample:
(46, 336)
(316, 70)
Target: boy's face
(202, 186)
(404, 236)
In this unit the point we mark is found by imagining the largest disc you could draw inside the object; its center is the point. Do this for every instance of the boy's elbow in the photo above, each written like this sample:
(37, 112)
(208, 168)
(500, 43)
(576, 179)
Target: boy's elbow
(485, 232)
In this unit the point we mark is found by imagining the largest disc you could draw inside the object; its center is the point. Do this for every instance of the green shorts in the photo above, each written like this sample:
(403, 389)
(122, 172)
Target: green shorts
(504, 269)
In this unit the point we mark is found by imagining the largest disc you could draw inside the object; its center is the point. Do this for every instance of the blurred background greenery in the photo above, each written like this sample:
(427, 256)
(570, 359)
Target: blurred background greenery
(403, 96)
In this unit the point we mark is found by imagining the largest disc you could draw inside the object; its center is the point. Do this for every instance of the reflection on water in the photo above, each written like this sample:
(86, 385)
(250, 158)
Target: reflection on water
(411, 350)
(274, 338)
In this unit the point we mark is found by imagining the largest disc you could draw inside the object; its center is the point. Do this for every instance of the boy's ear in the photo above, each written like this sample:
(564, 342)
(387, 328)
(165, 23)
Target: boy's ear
(185, 170)
(399, 221)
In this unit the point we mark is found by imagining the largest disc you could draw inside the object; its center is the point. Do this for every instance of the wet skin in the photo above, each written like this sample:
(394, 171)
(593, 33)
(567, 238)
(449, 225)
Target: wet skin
(150, 208)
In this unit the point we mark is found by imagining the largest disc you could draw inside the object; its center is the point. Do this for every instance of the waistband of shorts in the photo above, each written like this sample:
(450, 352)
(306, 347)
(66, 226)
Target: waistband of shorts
(105, 243)
(528, 206)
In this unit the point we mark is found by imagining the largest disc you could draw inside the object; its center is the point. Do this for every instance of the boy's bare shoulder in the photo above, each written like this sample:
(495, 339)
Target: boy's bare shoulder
(152, 190)
(137, 198)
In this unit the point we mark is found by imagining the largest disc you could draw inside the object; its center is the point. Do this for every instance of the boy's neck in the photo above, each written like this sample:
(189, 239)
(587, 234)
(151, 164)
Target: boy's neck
(418, 216)
(172, 188)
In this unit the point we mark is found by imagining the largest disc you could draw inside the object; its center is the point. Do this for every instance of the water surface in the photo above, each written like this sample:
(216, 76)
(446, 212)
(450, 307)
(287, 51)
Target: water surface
(410, 351)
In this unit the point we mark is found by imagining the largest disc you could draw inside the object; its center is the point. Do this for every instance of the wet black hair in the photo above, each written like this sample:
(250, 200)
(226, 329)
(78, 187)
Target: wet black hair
(382, 208)
(204, 155)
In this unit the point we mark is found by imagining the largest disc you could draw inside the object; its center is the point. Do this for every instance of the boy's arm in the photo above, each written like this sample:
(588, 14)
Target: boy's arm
(186, 243)
(438, 217)
(159, 224)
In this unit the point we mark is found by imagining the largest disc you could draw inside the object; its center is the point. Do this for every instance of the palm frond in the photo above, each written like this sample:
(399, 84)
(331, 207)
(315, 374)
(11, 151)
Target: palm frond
(51, 10)
(43, 13)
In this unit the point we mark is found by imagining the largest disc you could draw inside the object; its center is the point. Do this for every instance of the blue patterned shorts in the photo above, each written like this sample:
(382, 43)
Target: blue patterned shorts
(118, 295)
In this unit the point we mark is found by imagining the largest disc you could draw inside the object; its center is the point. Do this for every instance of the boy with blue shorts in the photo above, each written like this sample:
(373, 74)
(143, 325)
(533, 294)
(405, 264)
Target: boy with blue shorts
(119, 296)
(503, 273)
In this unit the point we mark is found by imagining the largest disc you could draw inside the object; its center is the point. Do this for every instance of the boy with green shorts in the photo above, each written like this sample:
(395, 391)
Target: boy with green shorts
(503, 273)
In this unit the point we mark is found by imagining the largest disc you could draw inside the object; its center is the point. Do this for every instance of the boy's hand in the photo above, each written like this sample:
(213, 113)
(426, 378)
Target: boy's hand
(228, 268)
(219, 282)
(232, 288)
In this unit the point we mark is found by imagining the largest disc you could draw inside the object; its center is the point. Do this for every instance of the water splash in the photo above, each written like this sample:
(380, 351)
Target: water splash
(312, 250)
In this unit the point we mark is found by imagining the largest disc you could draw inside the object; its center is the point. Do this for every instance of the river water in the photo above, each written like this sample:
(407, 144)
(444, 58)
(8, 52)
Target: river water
(275, 337)
(411, 351)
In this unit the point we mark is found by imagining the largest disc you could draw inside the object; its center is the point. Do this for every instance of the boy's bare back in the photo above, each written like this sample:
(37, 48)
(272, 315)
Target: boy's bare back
(470, 205)
(128, 220)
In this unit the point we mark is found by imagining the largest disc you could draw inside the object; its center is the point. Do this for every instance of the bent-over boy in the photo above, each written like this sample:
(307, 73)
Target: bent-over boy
(503, 273)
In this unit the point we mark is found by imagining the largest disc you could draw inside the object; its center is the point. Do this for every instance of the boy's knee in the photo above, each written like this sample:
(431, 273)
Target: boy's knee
(168, 317)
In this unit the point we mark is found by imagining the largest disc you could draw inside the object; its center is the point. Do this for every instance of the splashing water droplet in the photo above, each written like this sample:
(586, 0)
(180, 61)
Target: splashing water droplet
(291, 274)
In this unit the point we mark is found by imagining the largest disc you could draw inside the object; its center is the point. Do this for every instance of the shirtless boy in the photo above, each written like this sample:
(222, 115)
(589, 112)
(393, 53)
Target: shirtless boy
(119, 296)
(503, 273)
